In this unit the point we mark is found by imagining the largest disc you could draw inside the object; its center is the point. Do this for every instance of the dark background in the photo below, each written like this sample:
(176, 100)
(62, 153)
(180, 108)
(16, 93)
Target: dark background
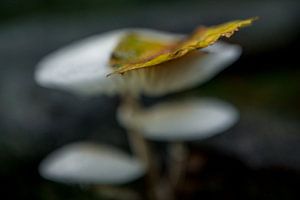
(259, 158)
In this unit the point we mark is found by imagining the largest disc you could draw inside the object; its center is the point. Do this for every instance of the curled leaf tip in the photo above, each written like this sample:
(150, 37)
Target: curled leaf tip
(135, 51)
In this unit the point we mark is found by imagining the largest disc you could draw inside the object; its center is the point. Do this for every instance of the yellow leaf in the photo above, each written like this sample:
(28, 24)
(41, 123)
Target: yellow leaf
(137, 52)
(134, 48)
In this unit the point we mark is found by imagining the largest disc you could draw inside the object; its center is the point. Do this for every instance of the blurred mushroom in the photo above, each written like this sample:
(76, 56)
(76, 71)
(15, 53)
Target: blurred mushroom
(82, 67)
(180, 120)
(186, 72)
(88, 163)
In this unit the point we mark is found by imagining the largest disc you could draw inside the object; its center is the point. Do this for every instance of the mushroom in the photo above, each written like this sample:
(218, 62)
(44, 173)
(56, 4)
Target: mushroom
(82, 67)
(177, 122)
(186, 120)
(89, 163)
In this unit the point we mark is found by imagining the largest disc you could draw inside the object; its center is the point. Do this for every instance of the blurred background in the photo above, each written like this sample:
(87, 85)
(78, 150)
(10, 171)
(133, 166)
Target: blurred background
(259, 158)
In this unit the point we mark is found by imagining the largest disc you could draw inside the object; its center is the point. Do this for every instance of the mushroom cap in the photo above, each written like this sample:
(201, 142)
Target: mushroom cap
(83, 66)
(190, 119)
(182, 73)
(88, 163)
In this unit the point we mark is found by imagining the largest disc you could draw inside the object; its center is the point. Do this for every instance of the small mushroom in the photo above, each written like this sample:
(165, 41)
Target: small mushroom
(177, 122)
(88, 163)
(180, 120)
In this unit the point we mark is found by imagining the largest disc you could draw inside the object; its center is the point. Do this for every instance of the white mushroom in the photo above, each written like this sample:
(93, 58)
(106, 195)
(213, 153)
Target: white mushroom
(88, 163)
(180, 120)
(186, 72)
(82, 67)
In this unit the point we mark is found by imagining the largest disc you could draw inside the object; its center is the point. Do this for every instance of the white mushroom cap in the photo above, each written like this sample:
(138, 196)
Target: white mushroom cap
(181, 120)
(88, 163)
(82, 67)
(185, 72)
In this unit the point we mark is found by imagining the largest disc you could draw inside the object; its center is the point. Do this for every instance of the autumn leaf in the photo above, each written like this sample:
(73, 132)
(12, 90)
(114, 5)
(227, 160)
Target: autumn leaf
(134, 48)
(135, 52)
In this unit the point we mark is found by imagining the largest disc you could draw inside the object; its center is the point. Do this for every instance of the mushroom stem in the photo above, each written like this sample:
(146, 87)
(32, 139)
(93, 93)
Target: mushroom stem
(178, 156)
(139, 145)
(141, 148)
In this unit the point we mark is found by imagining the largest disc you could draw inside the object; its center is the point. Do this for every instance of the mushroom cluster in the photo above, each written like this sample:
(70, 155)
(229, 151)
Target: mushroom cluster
(85, 68)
